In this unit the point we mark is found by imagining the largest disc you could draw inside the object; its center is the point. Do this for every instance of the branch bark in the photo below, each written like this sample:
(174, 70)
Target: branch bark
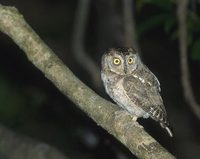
(100, 110)
(185, 78)
(14, 146)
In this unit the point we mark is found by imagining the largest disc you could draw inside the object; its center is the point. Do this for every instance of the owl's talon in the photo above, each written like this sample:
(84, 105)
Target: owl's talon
(121, 112)
(134, 118)
(131, 124)
(138, 125)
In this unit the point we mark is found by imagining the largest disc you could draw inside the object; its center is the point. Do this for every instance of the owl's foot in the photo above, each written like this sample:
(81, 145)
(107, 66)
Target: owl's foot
(133, 122)
(130, 124)
(120, 113)
(134, 119)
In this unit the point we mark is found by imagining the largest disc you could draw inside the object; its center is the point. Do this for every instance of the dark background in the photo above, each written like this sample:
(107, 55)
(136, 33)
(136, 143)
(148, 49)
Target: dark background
(32, 106)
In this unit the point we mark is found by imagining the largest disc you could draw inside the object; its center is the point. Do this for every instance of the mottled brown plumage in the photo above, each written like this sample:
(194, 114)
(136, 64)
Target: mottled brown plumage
(132, 85)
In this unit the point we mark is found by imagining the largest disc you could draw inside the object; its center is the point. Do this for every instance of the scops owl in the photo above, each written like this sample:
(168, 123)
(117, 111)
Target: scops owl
(132, 85)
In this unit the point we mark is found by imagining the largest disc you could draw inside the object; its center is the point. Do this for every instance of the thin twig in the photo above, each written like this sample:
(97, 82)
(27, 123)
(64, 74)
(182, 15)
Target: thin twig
(185, 78)
(80, 54)
(100, 110)
(129, 25)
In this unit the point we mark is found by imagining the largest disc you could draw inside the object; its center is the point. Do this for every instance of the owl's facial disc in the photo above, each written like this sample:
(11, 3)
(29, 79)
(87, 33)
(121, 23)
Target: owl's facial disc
(130, 60)
(120, 60)
(115, 63)
(131, 63)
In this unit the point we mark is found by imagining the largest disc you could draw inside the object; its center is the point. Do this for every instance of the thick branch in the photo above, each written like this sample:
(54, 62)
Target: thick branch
(186, 83)
(15, 146)
(101, 111)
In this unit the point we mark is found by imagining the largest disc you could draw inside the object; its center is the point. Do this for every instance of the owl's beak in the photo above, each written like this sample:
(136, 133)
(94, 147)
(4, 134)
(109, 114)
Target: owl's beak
(125, 68)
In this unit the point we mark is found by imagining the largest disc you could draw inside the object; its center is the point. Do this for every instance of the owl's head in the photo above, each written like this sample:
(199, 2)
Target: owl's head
(120, 60)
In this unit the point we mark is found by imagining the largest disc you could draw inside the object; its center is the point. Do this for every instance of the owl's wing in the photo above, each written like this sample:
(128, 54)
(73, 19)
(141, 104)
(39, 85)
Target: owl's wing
(151, 78)
(146, 96)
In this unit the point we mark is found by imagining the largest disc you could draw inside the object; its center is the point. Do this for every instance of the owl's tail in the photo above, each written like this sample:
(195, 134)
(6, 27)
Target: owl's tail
(169, 131)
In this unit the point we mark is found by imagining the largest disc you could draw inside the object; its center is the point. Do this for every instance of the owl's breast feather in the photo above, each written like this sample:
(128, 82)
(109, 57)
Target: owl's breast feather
(114, 88)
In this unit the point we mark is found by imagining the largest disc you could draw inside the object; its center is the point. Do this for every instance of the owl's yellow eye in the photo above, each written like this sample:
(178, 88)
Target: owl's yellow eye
(130, 60)
(116, 61)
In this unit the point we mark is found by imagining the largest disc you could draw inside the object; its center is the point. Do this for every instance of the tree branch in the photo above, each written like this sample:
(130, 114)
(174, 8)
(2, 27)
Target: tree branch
(186, 83)
(129, 25)
(78, 42)
(15, 146)
(100, 110)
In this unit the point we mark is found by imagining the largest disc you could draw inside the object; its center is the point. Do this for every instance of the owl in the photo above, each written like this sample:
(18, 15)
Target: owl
(133, 86)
